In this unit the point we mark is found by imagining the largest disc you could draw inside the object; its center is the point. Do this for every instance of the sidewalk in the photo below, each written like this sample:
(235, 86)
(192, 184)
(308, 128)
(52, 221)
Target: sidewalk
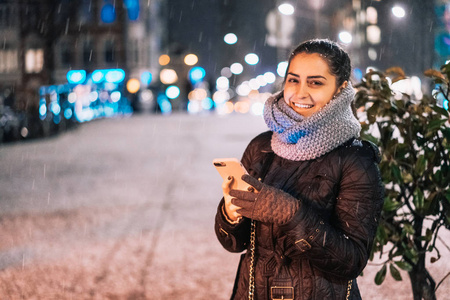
(124, 209)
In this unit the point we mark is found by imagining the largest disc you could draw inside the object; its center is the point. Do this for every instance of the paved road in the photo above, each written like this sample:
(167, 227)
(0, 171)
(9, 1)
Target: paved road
(124, 209)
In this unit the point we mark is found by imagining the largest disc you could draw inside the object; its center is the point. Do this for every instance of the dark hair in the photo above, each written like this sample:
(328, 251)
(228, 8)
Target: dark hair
(337, 59)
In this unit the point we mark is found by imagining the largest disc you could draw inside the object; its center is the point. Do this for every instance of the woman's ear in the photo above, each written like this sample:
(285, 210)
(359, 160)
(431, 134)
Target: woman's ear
(343, 86)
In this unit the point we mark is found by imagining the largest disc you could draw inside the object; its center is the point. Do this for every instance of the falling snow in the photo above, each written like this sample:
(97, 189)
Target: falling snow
(124, 209)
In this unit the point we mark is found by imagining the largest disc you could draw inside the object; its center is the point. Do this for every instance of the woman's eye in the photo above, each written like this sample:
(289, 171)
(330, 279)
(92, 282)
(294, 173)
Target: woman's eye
(316, 83)
(294, 80)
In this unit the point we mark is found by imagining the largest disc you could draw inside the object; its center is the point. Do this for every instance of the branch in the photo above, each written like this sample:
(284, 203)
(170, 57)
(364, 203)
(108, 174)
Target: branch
(445, 277)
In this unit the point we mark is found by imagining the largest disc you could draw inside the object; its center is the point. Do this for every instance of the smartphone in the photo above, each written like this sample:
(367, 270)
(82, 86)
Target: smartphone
(233, 167)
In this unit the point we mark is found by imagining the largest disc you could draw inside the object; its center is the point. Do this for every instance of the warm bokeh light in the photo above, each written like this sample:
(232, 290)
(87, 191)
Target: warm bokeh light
(164, 60)
(133, 85)
(168, 76)
(373, 33)
(190, 59)
(242, 107)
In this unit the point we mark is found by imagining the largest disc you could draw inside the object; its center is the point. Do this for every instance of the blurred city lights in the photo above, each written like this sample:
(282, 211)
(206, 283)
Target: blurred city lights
(281, 68)
(230, 38)
(164, 104)
(115, 96)
(98, 76)
(242, 107)
(93, 96)
(243, 89)
(345, 37)
(115, 75)
(236, 68)
(269, 77)
(133, 85)
(190, 59)
(68, 113)
(168, 76)
(372, 15)
(251, 59)
(196, 74)
(220, 97)
(72, 97)
(257, 108)
(76, 76)
(55, 108)
(164, 60)
(372, 53)
(254, 84)
(261, 80)
(222, 83)
(147, 95)
(172, 92)
(373, 34)
(286, 9)
(146, 78)
(207, 103)
(108, 13)
(193, 107)
(398, 11)
(226, 72)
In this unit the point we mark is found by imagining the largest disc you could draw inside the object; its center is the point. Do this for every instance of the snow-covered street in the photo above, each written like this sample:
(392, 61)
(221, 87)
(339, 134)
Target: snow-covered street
(124, 209)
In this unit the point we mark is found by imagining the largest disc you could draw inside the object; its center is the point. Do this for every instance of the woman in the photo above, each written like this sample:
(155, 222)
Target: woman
(308, 225)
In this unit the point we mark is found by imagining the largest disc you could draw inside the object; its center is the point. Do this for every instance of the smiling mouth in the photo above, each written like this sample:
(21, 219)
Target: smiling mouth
(303, 105)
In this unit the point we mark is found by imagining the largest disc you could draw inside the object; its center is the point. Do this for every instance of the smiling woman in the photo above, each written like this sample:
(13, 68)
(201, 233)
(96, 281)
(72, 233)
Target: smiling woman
(308, 223)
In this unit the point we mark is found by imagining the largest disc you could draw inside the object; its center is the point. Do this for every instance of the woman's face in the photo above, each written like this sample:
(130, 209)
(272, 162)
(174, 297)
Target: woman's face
(309, 84)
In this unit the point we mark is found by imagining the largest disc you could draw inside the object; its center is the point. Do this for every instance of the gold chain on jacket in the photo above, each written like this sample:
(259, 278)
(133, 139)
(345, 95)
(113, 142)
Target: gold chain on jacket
(251, 280)
(349, 288)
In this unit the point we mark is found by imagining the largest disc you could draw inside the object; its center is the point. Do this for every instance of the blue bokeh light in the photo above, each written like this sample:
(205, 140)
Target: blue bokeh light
(108, 13)
(196, 74)
(76, 76)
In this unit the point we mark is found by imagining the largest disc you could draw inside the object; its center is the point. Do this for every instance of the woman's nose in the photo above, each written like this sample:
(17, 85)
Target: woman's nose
(302, 91)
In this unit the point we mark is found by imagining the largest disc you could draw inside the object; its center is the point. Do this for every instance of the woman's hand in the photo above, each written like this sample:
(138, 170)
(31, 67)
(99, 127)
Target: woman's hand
(268, 205)
(229, 208)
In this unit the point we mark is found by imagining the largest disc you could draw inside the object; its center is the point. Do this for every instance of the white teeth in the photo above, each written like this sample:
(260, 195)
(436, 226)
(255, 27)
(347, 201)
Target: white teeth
(303, 105)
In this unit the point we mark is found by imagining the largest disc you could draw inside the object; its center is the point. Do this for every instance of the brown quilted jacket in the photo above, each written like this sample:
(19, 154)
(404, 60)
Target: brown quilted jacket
(328, 241)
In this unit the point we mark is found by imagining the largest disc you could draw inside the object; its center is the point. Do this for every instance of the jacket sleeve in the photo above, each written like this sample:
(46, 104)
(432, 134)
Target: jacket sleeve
(341, 245)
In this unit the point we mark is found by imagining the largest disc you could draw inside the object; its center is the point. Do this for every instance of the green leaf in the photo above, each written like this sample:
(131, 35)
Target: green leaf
(395, 272)
(404, 265)
(440, 110)
(436, 124)
(418, 199)
(420, 165)
(391, 205)
(381, 275)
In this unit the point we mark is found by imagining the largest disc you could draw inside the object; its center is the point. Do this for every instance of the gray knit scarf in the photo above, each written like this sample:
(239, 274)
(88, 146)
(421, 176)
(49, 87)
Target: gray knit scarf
(298, 138)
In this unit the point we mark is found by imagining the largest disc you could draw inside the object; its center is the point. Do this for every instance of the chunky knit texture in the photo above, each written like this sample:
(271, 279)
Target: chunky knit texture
(298, 138)
(270, 204)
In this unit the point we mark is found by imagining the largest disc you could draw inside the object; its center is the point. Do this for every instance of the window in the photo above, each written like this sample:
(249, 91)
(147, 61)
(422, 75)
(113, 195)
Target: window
(8, 60)
(66, 54)
(8, 16)
(109, 51)
(34, 60)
